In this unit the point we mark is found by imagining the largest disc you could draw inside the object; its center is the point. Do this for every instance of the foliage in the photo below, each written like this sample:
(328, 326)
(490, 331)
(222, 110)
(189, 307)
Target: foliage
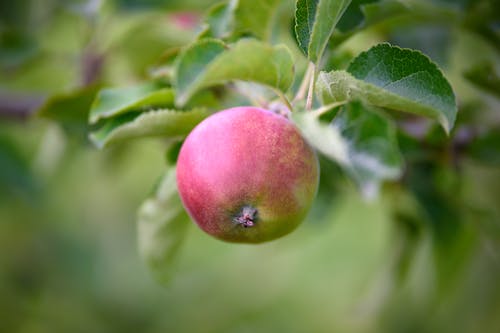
(399, 98)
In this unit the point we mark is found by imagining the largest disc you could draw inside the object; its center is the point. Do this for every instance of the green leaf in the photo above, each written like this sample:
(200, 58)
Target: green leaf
(315, 21)
(229, 20)
(394, 78)
(486, 148)
(218, 21)
(162, 227)
(485, 76)
(361, 140)
(116, 101)
(72, 107)
(408, 229)
(255, 17)
(71, 111)
(437, 191)
(171, 124)
(208, 62)
(354, 15)
(389, 14)
(192, 64)
(16, 177)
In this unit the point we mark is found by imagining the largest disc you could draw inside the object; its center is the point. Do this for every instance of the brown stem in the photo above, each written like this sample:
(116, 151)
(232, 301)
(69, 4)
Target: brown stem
(18, 106)
(92, 64)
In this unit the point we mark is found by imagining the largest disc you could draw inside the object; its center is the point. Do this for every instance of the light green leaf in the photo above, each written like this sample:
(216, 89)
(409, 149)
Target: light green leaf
(394, 78)
(361, 140)
(166, 123)
(315, 21)
(218, 21)
(162, 227)
(116, 101)
(207, 63)
(191, 66)
(231, 19)
(255, 17)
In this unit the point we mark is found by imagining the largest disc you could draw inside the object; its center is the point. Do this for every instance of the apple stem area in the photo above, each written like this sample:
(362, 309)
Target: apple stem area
(246, 217)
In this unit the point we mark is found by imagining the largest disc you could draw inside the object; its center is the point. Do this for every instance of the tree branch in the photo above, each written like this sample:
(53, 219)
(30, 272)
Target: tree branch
(18, 106)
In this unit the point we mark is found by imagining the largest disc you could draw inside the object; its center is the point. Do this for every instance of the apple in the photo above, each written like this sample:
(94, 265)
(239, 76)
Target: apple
(246, 175)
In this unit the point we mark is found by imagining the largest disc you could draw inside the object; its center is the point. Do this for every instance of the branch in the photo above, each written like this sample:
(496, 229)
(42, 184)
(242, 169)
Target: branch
(18, 106)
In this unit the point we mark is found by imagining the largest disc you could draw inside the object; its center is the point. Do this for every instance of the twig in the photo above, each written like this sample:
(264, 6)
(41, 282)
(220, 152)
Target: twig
(18, 106)
(328, 107)
(91, 66)
(301, 93)
(311, 89)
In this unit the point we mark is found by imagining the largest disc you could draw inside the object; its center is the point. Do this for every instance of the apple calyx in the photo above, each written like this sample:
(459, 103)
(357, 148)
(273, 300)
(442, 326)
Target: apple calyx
(246, 217)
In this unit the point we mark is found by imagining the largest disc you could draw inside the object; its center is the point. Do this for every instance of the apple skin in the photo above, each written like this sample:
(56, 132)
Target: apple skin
(246, 175)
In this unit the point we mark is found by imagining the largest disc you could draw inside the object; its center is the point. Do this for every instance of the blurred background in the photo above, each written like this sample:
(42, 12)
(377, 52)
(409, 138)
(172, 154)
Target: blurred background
(422, 257)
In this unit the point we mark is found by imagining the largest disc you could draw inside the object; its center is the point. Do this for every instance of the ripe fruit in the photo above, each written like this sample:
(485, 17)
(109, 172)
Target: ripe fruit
(246, 175)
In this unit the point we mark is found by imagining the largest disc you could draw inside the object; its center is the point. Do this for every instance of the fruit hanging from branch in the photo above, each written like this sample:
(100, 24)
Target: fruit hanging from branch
(246, 175)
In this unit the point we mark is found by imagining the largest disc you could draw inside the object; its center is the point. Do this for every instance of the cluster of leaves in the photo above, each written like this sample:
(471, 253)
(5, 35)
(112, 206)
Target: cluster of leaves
(357, 116)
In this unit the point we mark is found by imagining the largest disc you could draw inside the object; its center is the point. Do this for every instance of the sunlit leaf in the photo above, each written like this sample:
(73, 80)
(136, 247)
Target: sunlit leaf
(170, 124)
(362, 141)
(116, 101)
(192, 64)
(209, 62)
(218, 21)
(315, 22)
(394, 78)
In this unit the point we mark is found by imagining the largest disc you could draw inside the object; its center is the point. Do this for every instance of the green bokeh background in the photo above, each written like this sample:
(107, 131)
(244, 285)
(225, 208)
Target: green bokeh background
(68, 234)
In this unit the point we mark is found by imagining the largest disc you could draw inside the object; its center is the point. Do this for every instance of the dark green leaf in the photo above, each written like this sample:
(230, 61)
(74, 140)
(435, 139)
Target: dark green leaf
(394, 78)
(170, 124)
(70, 108)
(162, 227)
(486, 148)
(16, 176)
(315, 21)
(408, 234)
(361, 140)
(486, 77)
(208, 62)
(390, 14)
(172, 153)
(116, 101)
(437, 191)
(353, 16)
